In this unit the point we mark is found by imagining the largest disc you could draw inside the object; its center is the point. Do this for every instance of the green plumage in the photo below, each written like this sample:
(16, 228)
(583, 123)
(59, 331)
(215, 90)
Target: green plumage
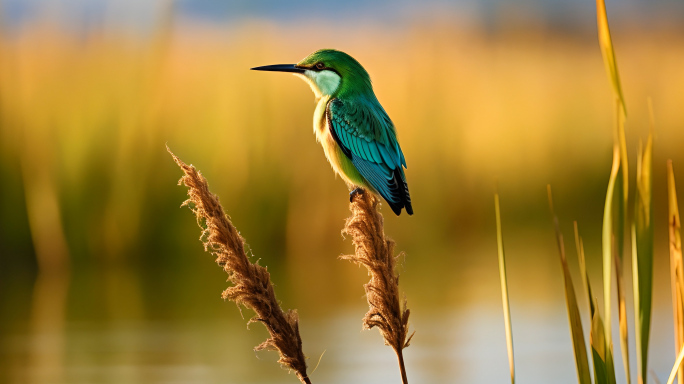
(365, 150)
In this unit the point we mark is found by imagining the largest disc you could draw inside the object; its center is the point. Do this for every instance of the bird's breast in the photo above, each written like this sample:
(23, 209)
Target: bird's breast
(320, 122)
(339, 162)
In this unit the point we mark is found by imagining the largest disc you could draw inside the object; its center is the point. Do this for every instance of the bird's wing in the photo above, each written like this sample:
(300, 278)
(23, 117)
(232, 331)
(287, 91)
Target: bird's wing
(367, 137)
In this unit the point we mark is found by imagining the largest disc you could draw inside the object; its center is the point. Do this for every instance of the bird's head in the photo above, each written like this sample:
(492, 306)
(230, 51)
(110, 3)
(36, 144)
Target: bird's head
(329, 72)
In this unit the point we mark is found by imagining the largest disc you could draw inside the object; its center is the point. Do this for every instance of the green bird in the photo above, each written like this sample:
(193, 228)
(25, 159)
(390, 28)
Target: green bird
(357, 135)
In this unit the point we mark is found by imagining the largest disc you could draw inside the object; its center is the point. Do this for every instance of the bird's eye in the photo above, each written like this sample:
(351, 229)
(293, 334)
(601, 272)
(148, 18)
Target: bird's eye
(320, 65)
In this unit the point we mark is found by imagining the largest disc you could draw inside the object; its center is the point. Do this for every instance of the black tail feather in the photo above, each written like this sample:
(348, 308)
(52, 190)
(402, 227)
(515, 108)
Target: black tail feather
(404, 197)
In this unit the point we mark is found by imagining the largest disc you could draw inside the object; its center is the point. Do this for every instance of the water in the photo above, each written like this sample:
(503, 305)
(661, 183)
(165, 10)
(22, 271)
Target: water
(462, 340)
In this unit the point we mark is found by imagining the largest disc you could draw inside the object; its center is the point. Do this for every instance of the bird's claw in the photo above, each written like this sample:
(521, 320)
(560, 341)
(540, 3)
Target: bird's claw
(356, 191)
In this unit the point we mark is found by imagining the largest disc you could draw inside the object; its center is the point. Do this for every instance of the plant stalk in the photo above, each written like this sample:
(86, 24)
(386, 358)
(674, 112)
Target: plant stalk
(400, 357)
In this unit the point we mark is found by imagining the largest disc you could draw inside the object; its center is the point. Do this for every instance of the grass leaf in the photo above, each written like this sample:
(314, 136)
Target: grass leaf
(609, 241)
(600, 353)
(606, 44)
(504, 289)
(622, 311)
(677, 366)
(620, 200)
(642, 256)
(617, 196)
(676, 263)
(576, 331)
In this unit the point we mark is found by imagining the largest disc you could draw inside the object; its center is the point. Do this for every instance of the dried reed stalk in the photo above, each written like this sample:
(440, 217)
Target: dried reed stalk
(251, 282)
(376, 252)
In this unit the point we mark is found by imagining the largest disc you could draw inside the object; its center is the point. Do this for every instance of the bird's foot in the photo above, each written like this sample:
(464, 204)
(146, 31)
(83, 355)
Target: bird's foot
(356, 191)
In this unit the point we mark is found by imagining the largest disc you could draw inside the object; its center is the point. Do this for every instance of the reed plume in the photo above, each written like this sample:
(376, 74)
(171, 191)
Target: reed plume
(252, 285)
(375, 251)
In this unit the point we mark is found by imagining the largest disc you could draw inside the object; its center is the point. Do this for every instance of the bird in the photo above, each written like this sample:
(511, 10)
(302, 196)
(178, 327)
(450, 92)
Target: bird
(357, 135)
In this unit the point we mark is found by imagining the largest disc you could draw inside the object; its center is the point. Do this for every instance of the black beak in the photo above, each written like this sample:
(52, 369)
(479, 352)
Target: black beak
(280, 68)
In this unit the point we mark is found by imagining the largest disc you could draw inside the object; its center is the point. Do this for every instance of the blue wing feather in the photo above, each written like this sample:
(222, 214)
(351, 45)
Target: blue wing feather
(345, 138)
(366, 135)
(356, 148)
(386, 156)
(376, 178)
(368, 155)
(374, 151)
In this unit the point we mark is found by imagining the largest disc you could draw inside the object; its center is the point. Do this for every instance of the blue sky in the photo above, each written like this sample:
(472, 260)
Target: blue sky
(139, 13)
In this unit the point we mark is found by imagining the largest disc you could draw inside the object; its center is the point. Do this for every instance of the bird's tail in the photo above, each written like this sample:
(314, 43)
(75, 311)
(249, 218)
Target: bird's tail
(404, 195)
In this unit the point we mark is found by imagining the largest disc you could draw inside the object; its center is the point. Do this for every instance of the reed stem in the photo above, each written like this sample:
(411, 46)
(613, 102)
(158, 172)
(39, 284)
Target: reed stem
(252, 285)
(402, 368)
(375, 251)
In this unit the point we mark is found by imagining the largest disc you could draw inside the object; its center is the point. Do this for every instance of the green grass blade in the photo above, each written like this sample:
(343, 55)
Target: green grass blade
(622, 312)
(642, 257)
(504, 289)
(606, 44)
(619, 228)
(576, 331)
(608, 242)
(676, 264)
(579, 246)
(624, 192)
(677, 366)
(617, 198)
(621, 199)
(601, 355)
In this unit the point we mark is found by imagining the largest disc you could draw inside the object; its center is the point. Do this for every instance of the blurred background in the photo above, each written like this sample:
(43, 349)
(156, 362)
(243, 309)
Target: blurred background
(102, 276)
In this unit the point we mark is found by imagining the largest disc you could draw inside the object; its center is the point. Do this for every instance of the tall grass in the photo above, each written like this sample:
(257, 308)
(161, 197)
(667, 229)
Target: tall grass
(615, 224)
(642, 255)
(617, 196)
(576, 330)
(676, 265)
(504, 289)
(600, 351)
(677, 367)
(610, 256)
